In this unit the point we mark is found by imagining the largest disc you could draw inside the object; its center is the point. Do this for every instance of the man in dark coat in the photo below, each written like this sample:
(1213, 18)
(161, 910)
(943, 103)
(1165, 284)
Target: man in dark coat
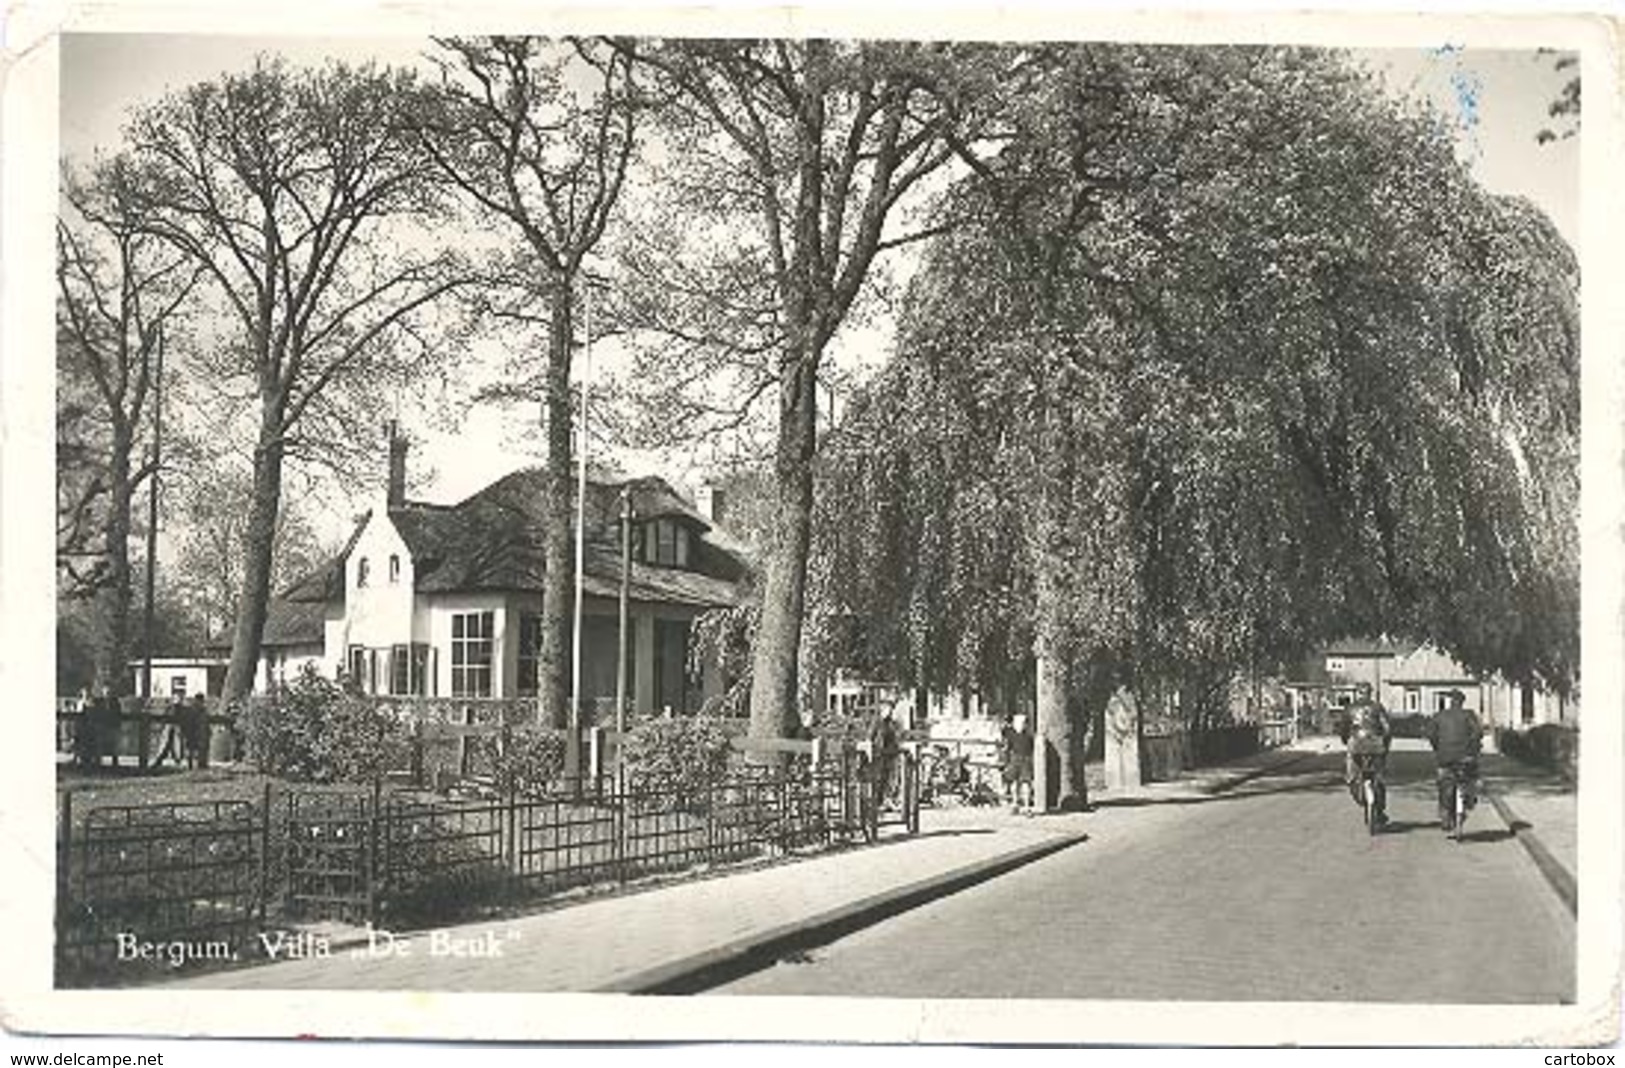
(1456, 736)
(1368, 735)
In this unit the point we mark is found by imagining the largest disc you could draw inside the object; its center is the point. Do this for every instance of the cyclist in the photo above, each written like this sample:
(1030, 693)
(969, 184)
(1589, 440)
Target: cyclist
(1456, 736)
(1367, 734)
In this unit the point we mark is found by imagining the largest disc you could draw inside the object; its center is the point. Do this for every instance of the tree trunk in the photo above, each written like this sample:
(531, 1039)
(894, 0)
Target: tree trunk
(112, 651)
(554, 660)
(254, 600)
(773, 710)
(1057, 764)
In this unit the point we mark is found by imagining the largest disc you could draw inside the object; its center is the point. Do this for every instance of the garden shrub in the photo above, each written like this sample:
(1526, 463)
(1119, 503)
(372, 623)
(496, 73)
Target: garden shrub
(311, 730)
(528, 760)
(686, 754)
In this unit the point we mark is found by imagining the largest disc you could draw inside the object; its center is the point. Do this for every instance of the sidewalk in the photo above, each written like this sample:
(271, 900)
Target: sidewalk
(663, 937)
(1542, 809)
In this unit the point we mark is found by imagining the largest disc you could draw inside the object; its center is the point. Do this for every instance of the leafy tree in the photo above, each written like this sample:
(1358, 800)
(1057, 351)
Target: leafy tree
(305, 201)
(1217, 370)
(537, 136)
(212, 501)
(788, 163)
(118, 288)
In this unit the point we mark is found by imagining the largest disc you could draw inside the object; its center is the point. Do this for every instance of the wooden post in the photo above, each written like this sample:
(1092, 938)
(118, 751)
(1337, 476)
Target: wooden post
(462, 742)
(265, 851)
(64, 858)
(375, 872)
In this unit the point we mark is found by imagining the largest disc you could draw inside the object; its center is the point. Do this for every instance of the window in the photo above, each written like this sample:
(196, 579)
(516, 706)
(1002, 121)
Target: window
(1413, 699)
(408, 670)
(394, 569)
(358, 665)
(666, 542)
(1335, 663)
(471, 645)
(177, 686)
(530, 649)
(1441, 700)
(400, 669)
(361, 571)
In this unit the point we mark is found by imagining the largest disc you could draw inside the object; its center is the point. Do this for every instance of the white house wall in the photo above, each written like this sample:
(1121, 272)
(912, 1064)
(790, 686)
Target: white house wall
(437, 611)
(380, 613)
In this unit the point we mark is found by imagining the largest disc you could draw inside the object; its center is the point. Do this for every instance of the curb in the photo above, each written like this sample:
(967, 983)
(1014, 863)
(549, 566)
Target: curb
(753, 952)
(1557, 876)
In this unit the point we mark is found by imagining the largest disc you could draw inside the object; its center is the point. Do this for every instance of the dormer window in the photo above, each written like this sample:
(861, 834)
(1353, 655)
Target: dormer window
(394, 569)
(666, 543)
(362, 570)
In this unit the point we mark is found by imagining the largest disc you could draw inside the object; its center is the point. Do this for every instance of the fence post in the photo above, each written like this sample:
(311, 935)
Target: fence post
(371, 867)
(265, 851)
(911, 790)
(595, 758)
(623, 794)
(462, 742)
(64, 859)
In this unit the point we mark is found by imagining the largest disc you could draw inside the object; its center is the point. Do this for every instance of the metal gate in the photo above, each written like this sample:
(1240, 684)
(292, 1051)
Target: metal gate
(331, 856)
(144, 887)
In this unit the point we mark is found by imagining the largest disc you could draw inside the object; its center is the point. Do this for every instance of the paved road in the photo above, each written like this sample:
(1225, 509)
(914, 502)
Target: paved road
(1272, 892)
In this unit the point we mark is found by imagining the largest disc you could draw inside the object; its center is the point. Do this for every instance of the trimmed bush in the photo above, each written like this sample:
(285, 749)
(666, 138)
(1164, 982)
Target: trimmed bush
(528, 760)
(313, 731)
(686, 753)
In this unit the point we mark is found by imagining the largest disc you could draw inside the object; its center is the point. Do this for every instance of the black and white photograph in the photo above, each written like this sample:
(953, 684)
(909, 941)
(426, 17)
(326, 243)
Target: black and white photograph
(934, 523)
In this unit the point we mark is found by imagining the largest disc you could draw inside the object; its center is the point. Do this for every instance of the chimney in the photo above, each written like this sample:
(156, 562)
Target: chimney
(397, 466)
(709, 501)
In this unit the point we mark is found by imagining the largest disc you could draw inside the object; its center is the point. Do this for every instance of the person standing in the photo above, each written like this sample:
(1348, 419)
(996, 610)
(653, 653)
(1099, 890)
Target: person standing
(1018, 757)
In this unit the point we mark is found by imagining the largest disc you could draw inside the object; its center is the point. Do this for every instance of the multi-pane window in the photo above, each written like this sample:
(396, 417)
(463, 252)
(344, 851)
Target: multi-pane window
(1413, 699)
(530, 648)
(408, 670)
(472, 636)
(666, 542)
(358, 666)
(362, 570)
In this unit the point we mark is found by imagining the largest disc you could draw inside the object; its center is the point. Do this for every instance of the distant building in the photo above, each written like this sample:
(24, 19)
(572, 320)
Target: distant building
(1415, 679)
(179, 677)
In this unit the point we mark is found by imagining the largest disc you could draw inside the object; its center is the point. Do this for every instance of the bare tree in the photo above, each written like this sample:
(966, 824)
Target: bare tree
(537, 135)
(305, 200)
(117, 289)
(794, 157)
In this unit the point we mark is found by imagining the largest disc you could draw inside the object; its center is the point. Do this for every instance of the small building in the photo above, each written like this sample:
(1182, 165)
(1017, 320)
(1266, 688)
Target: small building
(179, 677)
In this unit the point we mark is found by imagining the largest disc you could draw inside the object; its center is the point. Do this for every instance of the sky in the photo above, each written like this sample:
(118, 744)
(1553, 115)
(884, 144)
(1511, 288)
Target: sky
(1495, 100)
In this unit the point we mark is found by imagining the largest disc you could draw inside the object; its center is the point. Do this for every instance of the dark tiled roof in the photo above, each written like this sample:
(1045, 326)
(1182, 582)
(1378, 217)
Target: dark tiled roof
(493, 541)
(295, 623)
(286, 623)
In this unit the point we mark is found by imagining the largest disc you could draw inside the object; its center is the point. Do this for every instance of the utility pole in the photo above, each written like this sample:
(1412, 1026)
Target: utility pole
(581, 513)
(152, 517)
(626, 578)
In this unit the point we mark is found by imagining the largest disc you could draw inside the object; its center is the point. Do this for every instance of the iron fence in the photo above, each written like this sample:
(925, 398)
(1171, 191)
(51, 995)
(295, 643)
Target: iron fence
(145, 887)
(224, 874)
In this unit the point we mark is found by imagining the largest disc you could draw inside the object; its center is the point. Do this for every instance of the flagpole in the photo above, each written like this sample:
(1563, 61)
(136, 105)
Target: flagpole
(581, 511)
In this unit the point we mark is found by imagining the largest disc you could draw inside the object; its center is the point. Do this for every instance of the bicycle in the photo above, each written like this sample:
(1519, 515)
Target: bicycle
(1460, 776)
(1371, 794)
